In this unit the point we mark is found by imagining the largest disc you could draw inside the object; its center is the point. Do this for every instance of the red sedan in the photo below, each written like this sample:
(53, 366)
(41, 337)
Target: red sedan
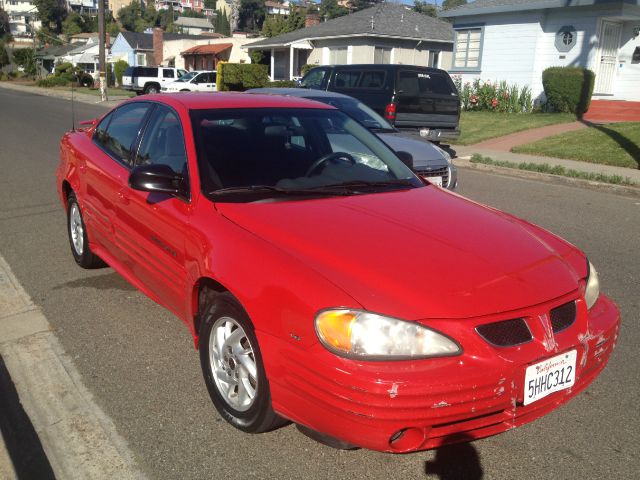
(326, 284)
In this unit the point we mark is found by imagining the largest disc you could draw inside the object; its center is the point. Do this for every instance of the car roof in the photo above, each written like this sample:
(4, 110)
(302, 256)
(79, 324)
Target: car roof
(208, 100)
(379, 66)
(300, 93)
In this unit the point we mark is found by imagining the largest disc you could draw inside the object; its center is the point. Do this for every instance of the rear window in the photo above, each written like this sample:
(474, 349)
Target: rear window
(415, 83)
(145, 72)
(129, 71)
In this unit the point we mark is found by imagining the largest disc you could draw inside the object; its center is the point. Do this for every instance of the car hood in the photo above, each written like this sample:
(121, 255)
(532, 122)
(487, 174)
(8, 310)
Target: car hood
(423, 152)
(415, 254)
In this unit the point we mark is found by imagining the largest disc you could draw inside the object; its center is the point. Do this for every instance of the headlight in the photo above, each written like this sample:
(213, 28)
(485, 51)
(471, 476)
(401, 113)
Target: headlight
(444, 153)
(358, 334)
(592, 292)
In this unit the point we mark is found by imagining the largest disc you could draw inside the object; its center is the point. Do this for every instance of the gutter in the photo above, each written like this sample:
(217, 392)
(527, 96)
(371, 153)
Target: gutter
(349, 35)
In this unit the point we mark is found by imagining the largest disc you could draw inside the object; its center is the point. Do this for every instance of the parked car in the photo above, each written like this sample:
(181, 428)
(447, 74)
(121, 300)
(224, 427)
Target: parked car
(427, 160)
(323, 282)
(149, 79)
(410, 97)
(196, 81)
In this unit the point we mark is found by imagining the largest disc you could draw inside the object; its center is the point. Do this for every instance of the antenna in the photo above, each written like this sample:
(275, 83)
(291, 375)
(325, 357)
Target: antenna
(73, 104)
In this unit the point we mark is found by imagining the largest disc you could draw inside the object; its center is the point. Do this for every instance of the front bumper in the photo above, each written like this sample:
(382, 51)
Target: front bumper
(418, 405)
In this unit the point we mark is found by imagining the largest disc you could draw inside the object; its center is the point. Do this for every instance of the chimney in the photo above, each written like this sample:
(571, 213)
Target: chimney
(157, 46)
(311, 19)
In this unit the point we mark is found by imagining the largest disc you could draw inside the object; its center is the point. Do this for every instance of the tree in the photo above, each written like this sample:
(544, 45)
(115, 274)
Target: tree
(222, 25)
(4, 24)
(362, 4)
(136, 18)
(421, 6)
(252, 13)
(72, 25)
(25, 58)
(52, 13)
(448, 4)
(330, 9)
(4, 56)
(210, 4)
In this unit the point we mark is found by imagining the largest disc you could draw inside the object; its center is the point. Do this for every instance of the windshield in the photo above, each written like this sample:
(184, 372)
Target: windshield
(357, 110)
(187, 76)
(278, 151)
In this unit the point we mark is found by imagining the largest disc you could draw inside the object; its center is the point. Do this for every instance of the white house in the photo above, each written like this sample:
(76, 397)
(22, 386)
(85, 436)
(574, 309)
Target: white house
(514, 40)
(23, 17)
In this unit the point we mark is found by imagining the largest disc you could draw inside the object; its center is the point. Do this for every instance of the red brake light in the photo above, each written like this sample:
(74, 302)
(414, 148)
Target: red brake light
(390, 111)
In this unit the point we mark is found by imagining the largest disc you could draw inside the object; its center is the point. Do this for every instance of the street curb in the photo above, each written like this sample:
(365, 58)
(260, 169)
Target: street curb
(79, 439)
(465, 162)
(77, 96)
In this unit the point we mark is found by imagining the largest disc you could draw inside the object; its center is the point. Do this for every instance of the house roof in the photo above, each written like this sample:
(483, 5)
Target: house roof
(53, 51)
(193, 22)
(383, 20)
(480, 7)
(211, 49)
(144, 41)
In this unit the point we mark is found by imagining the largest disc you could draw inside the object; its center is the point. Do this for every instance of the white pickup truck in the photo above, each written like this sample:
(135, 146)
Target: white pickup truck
(196, 81)
(149, 79)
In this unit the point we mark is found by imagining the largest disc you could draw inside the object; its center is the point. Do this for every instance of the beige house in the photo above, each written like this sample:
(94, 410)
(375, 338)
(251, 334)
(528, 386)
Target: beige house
(386, 33)
(176, 51)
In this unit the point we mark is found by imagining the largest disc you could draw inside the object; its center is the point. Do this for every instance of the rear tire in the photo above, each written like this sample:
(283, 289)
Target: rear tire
(78, 238)
(232, 365)
(151, 88)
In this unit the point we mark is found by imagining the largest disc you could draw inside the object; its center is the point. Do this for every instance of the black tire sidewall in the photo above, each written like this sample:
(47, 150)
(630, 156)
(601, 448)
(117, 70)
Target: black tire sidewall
(252, 420)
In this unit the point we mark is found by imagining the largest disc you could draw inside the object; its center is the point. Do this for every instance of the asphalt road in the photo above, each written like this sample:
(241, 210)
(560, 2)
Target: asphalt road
(138, 360)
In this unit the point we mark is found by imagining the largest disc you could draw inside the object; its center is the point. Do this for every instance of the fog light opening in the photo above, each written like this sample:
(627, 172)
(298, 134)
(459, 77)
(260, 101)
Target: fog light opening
(407, 439)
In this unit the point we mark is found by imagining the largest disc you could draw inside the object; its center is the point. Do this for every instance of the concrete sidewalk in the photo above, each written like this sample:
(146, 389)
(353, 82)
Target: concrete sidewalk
(507, 142)
(77, 438)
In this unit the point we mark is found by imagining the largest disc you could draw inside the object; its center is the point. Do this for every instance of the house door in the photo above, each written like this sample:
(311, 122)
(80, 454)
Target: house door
(609, 42)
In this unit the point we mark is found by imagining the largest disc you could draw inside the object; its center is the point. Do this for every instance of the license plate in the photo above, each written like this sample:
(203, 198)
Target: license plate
(435, 180)
(424, 132)
(552, 375)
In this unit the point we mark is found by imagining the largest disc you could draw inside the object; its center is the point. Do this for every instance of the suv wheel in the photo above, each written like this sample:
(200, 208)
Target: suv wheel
(151, 88)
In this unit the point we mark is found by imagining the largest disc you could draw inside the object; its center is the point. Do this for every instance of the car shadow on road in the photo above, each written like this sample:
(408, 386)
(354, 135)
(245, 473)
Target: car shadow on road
(455, 462)
(109, 281)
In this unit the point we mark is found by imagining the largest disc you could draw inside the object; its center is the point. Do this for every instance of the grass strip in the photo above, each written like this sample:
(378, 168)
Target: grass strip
(554, 170)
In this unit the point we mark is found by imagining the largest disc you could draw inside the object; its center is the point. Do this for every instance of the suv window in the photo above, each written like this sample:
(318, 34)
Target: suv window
(117, 132)
(415, 83)
(346, 79)
(168, 73)
(163, 141)
(146, 72)
(372, 80)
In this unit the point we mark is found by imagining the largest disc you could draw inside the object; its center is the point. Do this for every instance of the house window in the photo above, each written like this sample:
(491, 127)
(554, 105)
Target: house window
(338, 55)
(434, 56)
(467, 49)
(382, 55)
(141, 59)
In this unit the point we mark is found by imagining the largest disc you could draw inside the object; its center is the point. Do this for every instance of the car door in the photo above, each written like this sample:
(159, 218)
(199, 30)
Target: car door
(106, 172)
(167, 75)
(205, 82)
(155, 223)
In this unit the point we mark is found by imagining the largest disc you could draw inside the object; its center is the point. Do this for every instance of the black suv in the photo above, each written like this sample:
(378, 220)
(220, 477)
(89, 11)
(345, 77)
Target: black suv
(409, 97)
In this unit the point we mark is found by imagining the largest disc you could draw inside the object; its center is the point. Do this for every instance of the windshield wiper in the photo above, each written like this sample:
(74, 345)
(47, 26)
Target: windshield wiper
(281, 191)
(358, 184)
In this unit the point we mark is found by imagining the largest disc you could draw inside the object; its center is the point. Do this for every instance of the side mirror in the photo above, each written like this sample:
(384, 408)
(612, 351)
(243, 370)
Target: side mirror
(406, 158)
(155, 178)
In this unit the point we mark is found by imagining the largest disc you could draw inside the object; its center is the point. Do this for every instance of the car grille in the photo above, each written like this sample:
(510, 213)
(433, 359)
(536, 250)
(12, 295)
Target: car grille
(438, 172)
(562, 317)
(507, 333)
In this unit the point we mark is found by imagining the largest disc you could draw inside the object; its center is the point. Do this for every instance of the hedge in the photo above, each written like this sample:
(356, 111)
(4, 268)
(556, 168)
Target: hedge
(54, 81)
(568, 89)
(282, 84)
(241, 76)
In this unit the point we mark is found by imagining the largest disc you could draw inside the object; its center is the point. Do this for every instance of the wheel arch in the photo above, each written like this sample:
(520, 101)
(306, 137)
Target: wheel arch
(67, 189)
(199, 297)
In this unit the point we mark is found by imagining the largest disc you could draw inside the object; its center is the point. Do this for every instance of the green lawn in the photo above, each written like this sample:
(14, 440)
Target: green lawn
(478, 126)
(613, 144)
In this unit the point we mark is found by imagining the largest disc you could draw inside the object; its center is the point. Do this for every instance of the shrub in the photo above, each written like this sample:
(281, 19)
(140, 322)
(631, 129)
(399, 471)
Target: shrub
(282, 84)
(118, 69)
(241, 76)
(305, 68)
(568, 89)
(497, 97)
(53, 81)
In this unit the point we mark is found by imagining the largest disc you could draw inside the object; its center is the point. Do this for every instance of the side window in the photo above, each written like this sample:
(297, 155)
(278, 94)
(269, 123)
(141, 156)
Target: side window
(163, 142)
(200, 78)
(372, 80)
(167, 73)
(346, 79)
(120, 130)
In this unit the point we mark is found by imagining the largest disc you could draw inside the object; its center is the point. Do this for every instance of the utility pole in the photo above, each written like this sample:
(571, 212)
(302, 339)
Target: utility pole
(101, 52)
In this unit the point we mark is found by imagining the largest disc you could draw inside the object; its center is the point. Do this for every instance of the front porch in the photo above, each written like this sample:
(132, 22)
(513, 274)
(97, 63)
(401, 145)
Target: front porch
(286, 62)
(608, 111)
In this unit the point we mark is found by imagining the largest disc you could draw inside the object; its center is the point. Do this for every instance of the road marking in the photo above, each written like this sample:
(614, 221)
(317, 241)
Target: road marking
(79, 439)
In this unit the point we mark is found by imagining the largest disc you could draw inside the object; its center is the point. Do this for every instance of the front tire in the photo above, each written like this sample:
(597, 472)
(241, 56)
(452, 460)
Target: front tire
(78, 238)
(232, 365)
